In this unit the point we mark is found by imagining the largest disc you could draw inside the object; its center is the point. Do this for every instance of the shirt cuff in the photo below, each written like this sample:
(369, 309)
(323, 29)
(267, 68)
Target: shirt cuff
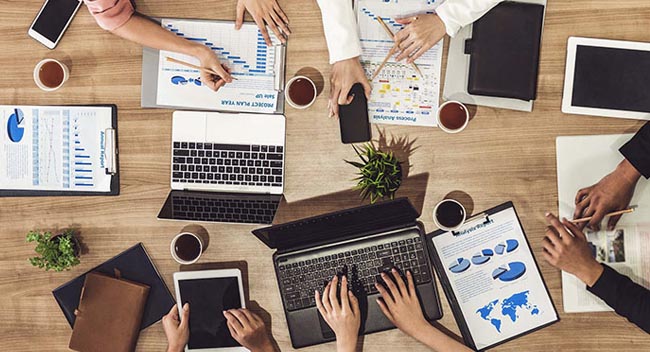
(637, 151)
(451, 27)
(603, 286)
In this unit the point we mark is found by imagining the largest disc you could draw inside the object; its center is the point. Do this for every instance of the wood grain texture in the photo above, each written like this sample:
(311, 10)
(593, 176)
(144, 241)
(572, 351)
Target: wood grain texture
(503, 155)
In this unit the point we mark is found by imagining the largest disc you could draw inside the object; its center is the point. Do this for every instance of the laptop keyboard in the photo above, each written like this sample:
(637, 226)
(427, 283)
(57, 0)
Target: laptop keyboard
(227, 164)
(223, 210)
(299, 280)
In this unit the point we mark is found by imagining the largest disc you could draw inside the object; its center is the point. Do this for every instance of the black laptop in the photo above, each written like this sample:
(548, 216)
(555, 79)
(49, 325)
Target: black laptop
(359, 242)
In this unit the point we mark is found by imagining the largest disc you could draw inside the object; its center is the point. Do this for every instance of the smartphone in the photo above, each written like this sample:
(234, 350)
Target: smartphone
(353, 118)
(52, 21)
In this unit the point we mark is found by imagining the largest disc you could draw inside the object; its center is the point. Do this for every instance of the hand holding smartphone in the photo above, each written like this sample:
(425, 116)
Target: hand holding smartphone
(353, 118)
(52, 21)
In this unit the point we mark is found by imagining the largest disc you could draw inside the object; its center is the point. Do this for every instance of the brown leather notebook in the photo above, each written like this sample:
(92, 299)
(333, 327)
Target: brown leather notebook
(109, 315)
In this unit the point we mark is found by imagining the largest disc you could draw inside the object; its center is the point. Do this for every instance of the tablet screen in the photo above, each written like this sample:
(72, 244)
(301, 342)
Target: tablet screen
(612, 78)
(208, 299)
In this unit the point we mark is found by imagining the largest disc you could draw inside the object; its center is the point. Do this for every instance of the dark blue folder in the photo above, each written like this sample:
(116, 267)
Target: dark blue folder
(134, 264)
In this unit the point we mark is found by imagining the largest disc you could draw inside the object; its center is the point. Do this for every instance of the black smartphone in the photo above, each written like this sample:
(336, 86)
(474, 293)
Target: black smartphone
(353, 118)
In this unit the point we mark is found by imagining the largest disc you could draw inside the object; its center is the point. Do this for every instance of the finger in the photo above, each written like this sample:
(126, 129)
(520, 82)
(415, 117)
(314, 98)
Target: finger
(548, 257)
(325, 299)
(385, 310)
(552, 236)
(582, 194)
(249, 315)
(367, 88)
(581, 206)
(281, 13)
(222, 72)
(232, 319)
(400, 283)
(344, 98)
(423, 49)
(555, 222)
(574, 229)
(345, 299)
(336, 91)
(270, 21)
(185, 320)
(394, 291)
(243, 319)
(354, 303)
(405, 20)
(388, 299)
(405, 49)
(548, 245)
(240, 15)
(280, 23)
(263, 31)
(173, 312)
(400, 37)
(220, 83)
(613, 220)
(319, 304)
(234, 330)
(596, 219)
(334, 301)
(411, 283)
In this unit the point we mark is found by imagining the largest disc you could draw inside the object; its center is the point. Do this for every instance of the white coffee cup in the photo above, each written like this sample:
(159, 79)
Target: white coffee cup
(288, 97)
(37, 76)
(445, 128)
(172, 248)
(446, 228)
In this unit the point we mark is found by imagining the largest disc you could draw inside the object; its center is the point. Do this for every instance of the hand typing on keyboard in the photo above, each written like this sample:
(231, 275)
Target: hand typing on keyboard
(340, 310)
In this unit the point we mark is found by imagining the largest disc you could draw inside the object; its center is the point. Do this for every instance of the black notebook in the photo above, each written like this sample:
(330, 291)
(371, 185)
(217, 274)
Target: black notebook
(135, 265)
(504, 51)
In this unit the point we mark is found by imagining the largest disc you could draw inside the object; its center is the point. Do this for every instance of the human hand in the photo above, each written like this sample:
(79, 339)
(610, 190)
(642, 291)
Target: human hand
(265, 11)
(340, 313)
(209, 60)
(248, 329)
(400, 303)
(345, 74)
(177, 330)
(420, 33)
(613, 192)
(566, 248)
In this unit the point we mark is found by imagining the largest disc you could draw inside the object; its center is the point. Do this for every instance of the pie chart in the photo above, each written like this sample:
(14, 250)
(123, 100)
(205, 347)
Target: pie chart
(511, 245)
(459, 265)
(509, 272)
(500, 248)
(482, 257)
(15, 126)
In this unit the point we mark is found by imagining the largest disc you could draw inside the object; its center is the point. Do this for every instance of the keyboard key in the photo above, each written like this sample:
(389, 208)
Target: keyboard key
(177, 144)
(179, 160)
(272, 156)
(236, 147)
(192, 145)
(177, 175)
(256, 148)
(181, 152)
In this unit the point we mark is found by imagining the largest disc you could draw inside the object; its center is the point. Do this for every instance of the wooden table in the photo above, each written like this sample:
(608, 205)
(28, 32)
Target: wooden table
(503, 155)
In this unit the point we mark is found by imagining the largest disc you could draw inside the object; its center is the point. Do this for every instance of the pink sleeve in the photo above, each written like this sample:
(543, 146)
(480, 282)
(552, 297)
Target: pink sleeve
(110, 14)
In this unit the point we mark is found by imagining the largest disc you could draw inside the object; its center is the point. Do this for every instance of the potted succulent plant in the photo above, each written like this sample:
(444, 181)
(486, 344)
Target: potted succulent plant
(58, 253)
(380, 173)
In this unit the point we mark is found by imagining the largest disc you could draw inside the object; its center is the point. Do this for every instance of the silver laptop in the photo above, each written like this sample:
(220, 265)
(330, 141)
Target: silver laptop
(226, 167)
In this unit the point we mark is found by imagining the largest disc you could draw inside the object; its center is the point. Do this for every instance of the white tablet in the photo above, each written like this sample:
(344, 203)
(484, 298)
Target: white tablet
(607, 78)
(209, 293)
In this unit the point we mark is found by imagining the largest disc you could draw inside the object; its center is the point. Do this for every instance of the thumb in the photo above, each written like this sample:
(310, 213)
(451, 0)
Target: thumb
(613, 220)
(367, 88)
(222, 72)
(185, 315)
(574, 229)
(240, 15)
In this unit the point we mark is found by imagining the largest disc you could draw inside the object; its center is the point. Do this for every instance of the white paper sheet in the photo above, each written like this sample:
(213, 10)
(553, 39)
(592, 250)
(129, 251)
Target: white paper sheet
(243, 51)
(495, 279)
(399, 94)
(54, 148)
(581, 162)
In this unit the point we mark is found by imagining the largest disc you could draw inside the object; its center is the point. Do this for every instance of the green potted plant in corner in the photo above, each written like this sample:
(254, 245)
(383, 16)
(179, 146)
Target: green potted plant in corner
(58, 253)
(380, 173)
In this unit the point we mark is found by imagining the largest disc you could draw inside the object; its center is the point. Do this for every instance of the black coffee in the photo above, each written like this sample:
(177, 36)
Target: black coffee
(187, 248)
(449, 214)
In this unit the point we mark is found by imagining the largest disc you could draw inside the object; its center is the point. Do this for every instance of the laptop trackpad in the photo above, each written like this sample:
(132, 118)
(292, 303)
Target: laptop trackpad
(325, 329)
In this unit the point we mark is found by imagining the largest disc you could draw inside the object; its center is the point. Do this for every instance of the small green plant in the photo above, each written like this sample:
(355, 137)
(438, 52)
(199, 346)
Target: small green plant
(55, 252)
(380, 173)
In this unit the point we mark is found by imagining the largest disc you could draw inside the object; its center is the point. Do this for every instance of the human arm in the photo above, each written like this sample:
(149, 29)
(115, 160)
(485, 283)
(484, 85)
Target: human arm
(399, 303)
(341, 313)
(177, 330)
(614, 191)
(265, 12)
(566, 248)
(422, 32)
(249, 330)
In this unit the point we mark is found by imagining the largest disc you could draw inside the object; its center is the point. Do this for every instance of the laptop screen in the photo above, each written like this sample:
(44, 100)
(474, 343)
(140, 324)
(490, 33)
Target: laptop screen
(338, 225)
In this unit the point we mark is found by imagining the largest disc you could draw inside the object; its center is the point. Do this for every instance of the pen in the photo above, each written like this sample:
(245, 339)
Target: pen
(207, 70)
(392, 36)
(620, 212)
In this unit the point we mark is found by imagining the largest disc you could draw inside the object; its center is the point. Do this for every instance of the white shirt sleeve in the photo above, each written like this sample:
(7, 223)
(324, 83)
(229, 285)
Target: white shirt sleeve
(456, 14)
(341, 30)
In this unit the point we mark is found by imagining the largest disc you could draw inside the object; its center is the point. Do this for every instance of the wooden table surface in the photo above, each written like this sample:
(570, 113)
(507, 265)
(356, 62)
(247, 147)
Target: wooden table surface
(503, 155)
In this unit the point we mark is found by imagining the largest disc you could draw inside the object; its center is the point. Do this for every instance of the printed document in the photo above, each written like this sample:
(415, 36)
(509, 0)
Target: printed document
(399, 94)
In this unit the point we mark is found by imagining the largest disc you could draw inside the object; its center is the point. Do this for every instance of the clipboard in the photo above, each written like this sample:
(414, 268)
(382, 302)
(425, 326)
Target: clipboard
(477, 221)
(112, 164)
(150, 65)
